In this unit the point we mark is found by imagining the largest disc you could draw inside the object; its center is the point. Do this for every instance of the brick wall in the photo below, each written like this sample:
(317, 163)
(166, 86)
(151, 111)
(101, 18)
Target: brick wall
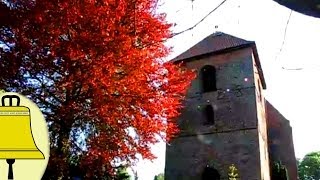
(234, 138)
(187, 156)
(280, 140)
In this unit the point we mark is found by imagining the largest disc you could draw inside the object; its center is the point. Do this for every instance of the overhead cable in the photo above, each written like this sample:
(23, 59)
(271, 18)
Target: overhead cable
(284, 35)
(195, 25)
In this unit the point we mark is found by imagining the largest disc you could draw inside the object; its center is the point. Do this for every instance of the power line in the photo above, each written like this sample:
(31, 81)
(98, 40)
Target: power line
(302, 68)
(284, 35)
(182, 8)
(292, 69)
(283, 42)
(192, 11)
(195, 25)
(188, 29)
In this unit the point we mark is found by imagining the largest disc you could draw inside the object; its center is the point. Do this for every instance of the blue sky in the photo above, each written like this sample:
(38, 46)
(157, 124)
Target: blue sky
(292, 92)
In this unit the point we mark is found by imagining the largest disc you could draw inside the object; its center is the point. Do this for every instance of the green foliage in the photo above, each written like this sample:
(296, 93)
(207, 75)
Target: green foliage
(279, 171)
(159, 177)
(309, 167)
(233, 173)
(122, 174)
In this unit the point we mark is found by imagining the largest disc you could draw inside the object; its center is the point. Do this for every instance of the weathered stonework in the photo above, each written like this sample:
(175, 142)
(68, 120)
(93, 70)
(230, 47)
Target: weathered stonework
(234, 137)
(189, 158)
(280, 141)
(239, 134)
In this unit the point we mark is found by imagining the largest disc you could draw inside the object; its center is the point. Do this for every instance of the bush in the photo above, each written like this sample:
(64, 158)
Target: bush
(233, 173)
(279, 171)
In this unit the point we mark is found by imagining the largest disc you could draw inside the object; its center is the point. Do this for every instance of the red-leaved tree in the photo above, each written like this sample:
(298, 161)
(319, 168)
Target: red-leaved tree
(96, 70)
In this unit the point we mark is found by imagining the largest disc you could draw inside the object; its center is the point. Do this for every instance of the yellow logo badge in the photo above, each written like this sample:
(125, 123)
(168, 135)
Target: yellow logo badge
(24, 139)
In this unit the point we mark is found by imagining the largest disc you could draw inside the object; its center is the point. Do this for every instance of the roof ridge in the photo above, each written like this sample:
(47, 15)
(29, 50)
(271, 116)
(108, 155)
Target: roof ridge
(217, 41)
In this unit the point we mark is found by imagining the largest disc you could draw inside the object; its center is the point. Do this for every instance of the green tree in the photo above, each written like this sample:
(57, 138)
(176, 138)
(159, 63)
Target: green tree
(159, 177)
(122, 173)
(309, 167)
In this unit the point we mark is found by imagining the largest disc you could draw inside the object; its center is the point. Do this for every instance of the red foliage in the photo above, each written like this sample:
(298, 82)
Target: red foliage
(108, 54)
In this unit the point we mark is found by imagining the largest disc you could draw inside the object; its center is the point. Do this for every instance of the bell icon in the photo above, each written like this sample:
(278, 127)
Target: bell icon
(16, 138)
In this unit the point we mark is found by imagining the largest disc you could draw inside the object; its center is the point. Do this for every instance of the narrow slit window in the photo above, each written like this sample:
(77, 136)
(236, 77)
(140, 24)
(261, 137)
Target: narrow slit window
(208, 74)
(209, 114)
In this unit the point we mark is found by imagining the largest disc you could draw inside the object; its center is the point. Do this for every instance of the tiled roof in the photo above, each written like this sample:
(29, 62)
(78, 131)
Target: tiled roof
(216, 42)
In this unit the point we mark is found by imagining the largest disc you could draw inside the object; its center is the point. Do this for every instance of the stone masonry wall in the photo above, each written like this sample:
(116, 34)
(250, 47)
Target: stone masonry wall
(231, 113)
(187, 156)
(280, 140)
(233, 102)
(234, 138)
(232, 68)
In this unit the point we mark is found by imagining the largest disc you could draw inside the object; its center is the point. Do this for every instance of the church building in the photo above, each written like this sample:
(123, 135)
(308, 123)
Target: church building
(225, 119)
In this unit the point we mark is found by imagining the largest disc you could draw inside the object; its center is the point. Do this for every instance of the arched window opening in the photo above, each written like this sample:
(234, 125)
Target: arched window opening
(209, 114)
(210, 173)
(208, 76)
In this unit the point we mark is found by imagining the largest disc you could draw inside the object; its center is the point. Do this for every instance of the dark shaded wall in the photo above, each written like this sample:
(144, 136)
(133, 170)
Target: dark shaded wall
(280, 140)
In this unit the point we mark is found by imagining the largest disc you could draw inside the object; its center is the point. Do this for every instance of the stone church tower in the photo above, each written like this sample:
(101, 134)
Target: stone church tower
(224, 119)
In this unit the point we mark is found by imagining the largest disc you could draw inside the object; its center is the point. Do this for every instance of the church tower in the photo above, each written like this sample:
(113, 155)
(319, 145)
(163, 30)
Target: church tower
(223, 121)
